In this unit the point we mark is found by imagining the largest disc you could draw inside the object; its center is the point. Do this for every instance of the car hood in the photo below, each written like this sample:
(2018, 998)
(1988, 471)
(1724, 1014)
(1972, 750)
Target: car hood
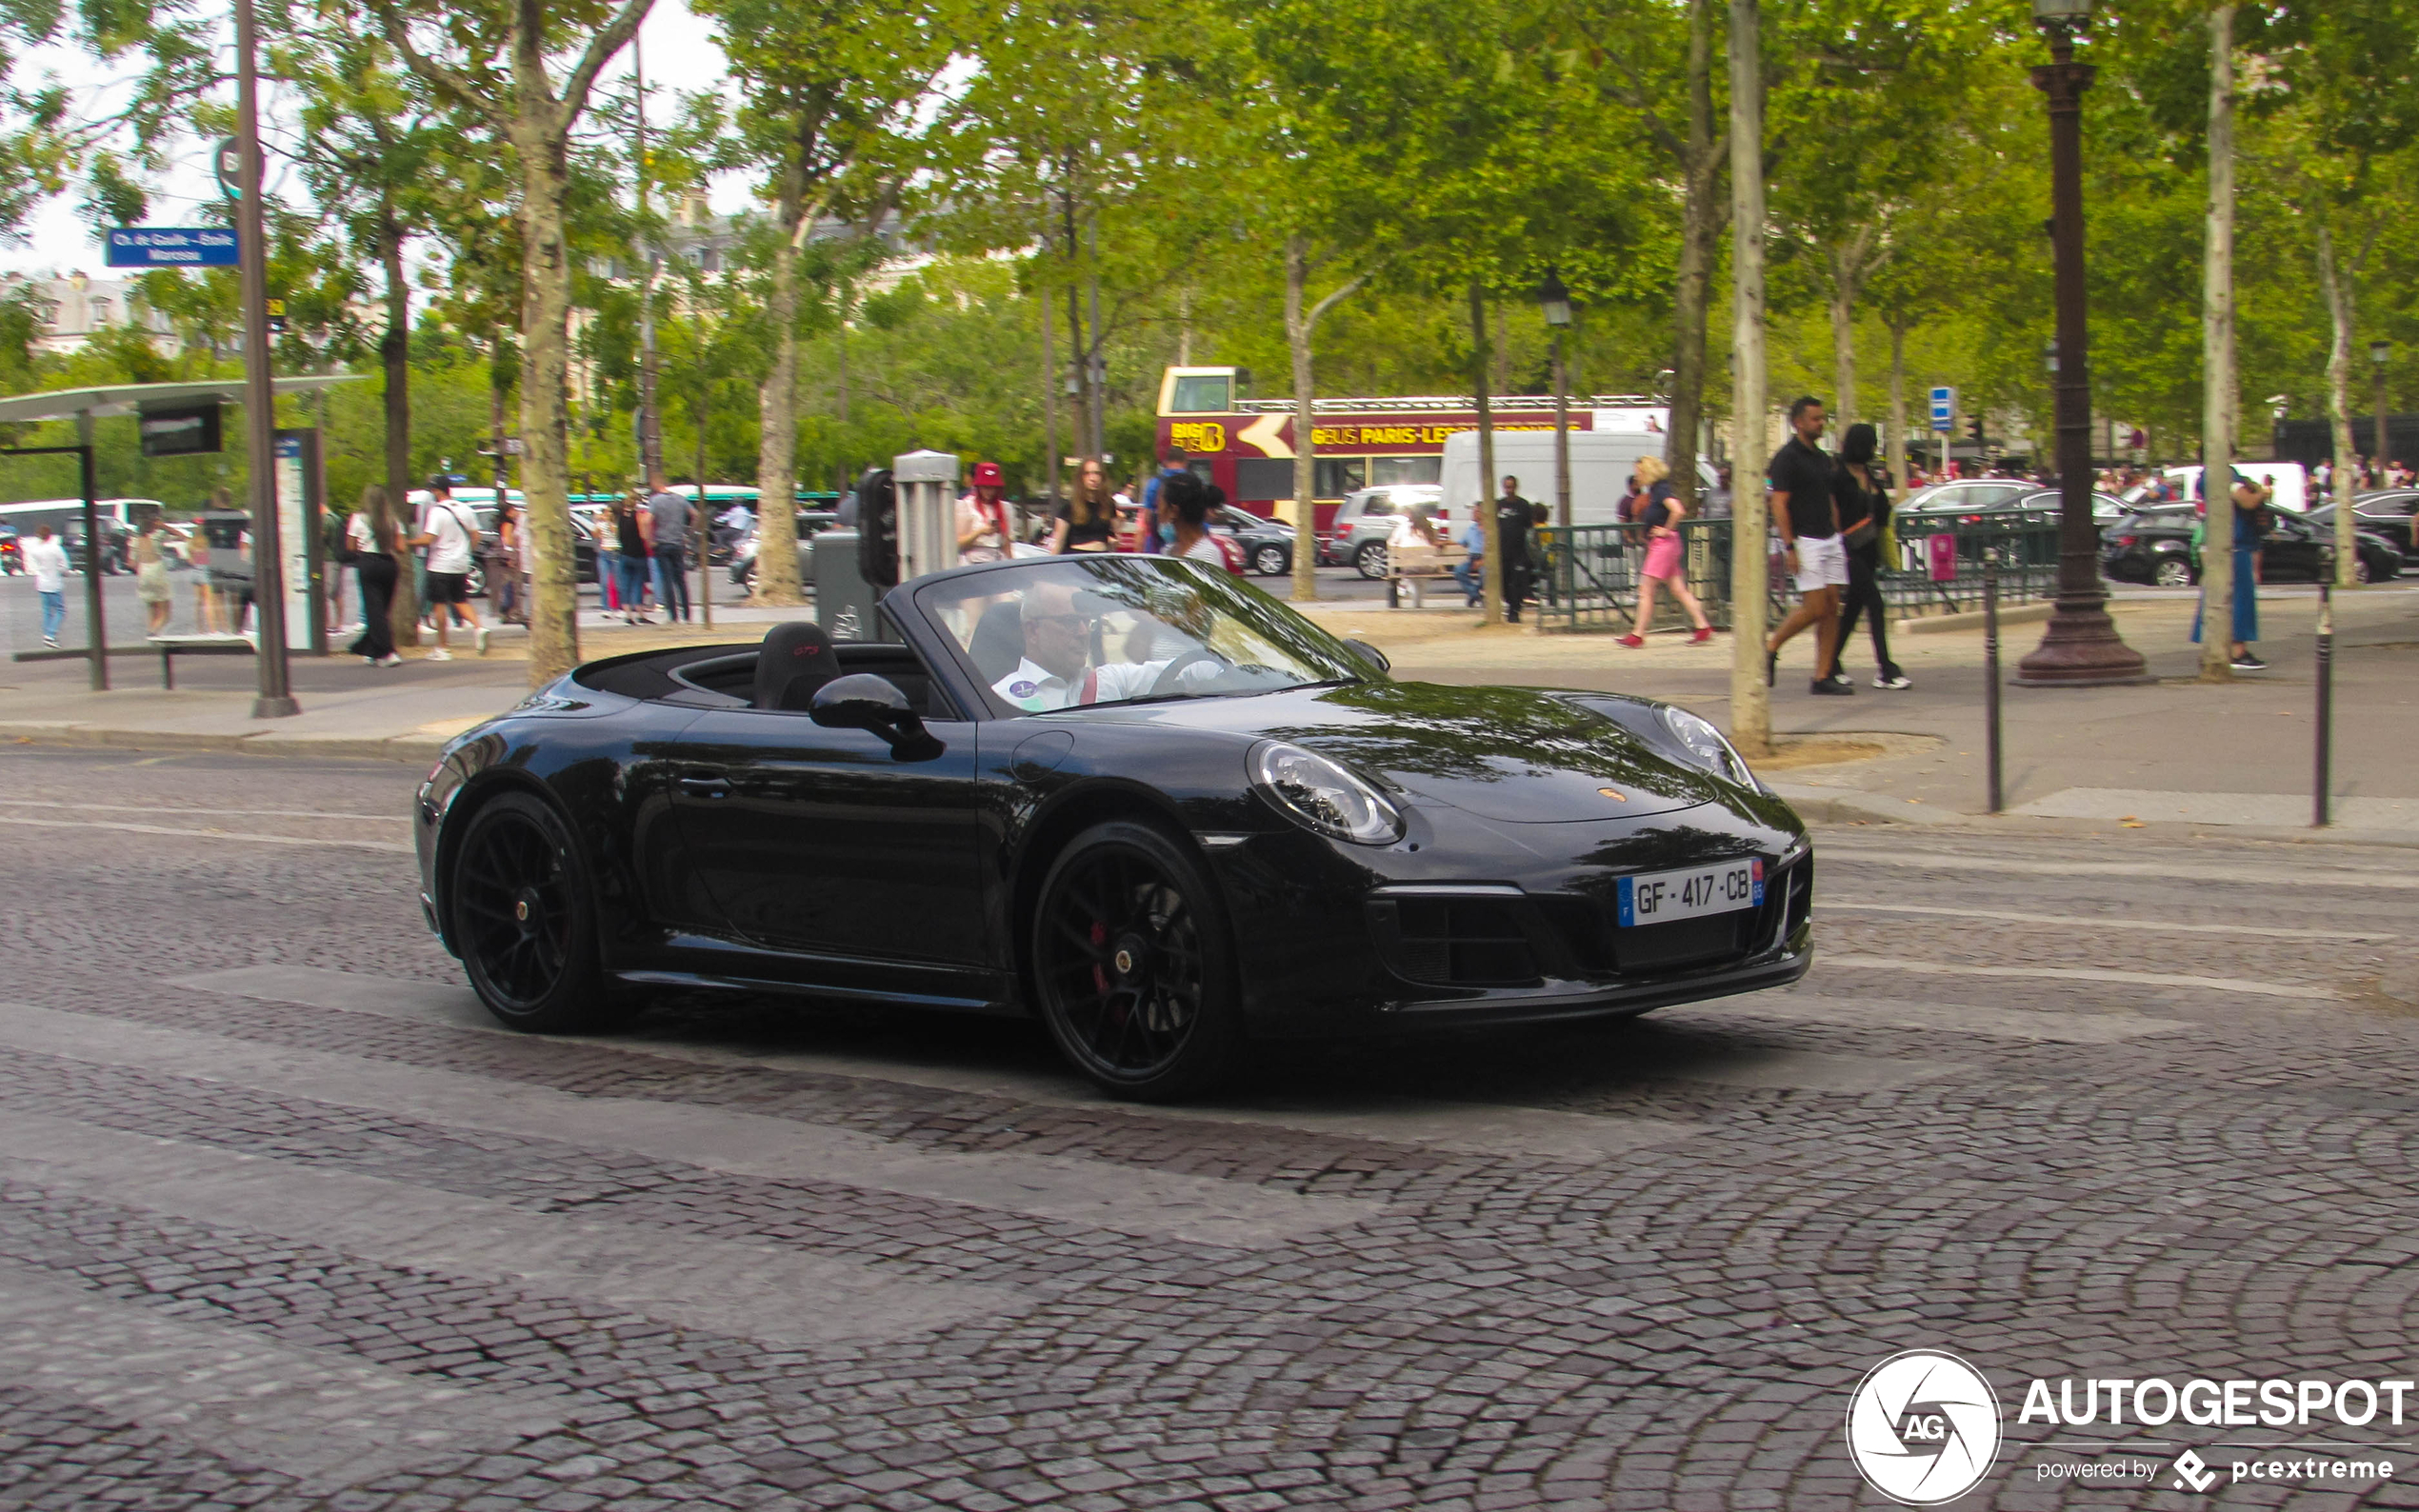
(1512, 755)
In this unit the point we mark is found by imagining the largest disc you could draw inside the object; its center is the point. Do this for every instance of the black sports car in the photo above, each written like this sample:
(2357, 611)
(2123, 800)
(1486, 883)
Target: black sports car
(1133, 796)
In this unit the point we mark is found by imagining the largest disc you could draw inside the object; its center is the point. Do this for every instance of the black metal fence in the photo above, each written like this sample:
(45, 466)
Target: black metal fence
(1589, 573)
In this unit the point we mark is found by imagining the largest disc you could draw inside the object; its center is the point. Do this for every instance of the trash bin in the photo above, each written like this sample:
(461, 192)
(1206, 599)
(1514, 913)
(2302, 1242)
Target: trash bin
(844, 602)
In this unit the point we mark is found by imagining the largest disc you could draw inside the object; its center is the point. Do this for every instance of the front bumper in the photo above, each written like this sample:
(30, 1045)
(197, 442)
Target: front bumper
(1485, 922)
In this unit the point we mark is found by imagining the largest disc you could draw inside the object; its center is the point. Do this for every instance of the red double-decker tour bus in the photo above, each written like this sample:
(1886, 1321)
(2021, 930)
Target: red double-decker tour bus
(1246, 445)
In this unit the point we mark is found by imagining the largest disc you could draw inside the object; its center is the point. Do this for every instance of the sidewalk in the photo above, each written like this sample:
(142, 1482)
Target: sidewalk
(2174, 752)
(405, 713)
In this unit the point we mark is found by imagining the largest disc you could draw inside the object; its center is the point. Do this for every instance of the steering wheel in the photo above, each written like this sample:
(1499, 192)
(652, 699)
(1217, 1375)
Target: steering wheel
(1167, 681)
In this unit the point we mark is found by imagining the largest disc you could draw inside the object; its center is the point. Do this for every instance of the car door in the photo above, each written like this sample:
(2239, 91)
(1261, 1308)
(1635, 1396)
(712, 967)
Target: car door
(2290, 552)
(821, 841)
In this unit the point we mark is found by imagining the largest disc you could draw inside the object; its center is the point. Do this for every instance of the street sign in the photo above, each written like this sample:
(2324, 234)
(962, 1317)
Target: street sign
(180, 431)
(1943, 409)
(226, 158)
(171, 246)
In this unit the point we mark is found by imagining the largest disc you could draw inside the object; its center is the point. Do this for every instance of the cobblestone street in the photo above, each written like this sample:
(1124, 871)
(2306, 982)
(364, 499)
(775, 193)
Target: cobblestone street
(286, 1221)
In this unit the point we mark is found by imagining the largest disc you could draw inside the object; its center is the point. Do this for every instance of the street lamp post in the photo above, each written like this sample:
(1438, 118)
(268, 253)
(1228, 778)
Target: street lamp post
(2378, 353)
(1555, 301)
(2081, 647)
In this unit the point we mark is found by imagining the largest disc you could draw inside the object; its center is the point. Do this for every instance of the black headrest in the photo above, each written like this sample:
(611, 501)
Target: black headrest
(999, 642)
(796, 659)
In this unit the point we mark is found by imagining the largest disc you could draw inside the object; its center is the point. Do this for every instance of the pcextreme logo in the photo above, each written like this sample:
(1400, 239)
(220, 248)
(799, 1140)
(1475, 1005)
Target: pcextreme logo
(1923, 1427)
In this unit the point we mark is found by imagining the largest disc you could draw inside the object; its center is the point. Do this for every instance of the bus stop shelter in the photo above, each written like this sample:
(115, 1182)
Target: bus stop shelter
(83, 406)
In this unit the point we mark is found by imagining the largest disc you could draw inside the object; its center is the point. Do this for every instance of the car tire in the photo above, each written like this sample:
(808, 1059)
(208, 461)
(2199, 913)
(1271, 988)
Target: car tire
(1133, 964)
(2362, 570)
(523, 917)
(1271, 561)
(474, 584)
(2172, 573)
(1369, 559)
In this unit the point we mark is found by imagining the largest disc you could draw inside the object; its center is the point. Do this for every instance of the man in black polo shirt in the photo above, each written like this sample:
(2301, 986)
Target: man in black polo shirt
(1808, 519)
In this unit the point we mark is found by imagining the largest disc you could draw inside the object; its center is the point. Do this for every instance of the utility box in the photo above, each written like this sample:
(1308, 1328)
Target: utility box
(844, 602)
(926, 482)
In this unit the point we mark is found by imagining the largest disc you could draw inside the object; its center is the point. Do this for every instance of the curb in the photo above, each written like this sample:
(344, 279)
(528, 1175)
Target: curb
(415, 748)
(1972, 619)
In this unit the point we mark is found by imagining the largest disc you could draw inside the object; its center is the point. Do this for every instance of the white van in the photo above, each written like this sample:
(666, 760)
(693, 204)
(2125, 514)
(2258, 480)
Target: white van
(2286, 481)
(1600, 466)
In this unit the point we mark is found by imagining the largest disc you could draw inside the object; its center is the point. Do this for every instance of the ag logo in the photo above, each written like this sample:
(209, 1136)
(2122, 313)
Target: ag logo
(1923, 1427)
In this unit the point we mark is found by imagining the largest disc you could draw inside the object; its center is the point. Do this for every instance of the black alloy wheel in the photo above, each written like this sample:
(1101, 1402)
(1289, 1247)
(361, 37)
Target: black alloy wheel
(1133, 966)
(1270, 560)
(524, 920)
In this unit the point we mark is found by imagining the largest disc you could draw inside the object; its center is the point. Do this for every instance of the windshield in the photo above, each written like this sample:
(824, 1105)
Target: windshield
(1115, 629)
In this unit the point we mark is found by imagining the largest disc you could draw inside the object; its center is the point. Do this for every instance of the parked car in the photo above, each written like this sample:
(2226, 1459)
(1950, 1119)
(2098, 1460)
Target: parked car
(2105, 506)
(1365, 519)
(1964, 496)
(1268, 545)
(2392, 508)
(811, 522)
(2154, 545)
(1164, 818)
(2385, 546)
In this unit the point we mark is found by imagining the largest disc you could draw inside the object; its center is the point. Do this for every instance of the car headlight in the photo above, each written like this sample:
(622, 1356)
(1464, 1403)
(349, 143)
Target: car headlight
(1323, 796)
(1707, 745)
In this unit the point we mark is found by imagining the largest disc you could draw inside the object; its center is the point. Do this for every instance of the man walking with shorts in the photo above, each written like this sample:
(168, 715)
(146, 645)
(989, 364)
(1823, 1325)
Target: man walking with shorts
(1807, 516)
(451, 534)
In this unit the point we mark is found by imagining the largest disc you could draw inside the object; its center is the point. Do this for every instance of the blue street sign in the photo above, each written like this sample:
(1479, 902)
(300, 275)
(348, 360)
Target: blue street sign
(171, 246)
(1943, 409)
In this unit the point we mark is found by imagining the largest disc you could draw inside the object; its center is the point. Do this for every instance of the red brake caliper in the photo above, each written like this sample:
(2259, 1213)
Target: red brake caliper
(1100, 971)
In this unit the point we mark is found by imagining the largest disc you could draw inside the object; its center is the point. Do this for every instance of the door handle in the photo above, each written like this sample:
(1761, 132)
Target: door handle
(704, 787)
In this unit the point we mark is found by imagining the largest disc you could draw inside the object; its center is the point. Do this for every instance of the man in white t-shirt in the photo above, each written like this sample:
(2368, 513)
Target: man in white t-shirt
(1057, 669)
(450, 532)
(46, 560)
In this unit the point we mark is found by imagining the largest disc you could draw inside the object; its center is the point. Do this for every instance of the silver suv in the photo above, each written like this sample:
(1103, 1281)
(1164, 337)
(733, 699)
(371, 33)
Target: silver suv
(1365, 519)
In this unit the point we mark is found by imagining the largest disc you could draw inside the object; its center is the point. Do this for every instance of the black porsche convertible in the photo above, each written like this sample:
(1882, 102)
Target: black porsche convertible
(1135, 796)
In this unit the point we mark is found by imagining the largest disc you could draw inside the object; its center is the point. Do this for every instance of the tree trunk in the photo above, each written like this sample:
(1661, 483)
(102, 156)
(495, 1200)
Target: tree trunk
(546, 306)
(1049, 398)
(2217, 362)
(1492, 528)
(2335, 280)
(394, 356)
(1897, 458)
(1842, 313)
(777, 418)
(1701, 217)
(1750, 706)
(1297, 341)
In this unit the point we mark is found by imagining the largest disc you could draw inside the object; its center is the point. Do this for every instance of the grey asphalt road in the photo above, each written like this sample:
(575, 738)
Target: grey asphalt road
(286, 1222)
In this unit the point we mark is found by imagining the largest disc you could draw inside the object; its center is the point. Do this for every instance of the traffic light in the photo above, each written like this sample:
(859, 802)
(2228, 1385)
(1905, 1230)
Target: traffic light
(1973, 429)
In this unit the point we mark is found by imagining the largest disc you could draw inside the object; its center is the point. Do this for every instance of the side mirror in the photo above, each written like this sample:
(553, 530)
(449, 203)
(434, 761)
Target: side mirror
(863, 701)
(1370, 654)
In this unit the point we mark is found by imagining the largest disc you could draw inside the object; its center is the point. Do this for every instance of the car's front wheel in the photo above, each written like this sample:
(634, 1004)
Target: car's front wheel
(1370, 560)
(1270, 560)
(2174, 573)
(524, 920)
(2362, 570)
(1132, 963)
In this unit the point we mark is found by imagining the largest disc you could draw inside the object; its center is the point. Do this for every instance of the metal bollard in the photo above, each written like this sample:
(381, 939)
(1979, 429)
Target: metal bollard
(1990, 671)
(2321, 780)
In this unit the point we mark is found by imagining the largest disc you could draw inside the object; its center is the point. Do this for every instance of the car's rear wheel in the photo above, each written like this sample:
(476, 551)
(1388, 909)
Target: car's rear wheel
(2362, 570)
(1133, 967)
(1370, 560)
(1271, 561)
(2174, 573)
(524, 920)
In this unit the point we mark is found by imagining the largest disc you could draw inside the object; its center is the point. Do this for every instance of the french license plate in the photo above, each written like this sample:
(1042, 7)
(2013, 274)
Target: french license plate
(1659, 897)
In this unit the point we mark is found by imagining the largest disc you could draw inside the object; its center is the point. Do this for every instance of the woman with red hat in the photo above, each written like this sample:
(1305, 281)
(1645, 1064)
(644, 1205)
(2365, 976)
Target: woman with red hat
(984, 530)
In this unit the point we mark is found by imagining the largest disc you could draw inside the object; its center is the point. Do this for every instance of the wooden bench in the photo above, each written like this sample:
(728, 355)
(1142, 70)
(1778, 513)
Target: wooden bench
(172, 647)
(1416, 565)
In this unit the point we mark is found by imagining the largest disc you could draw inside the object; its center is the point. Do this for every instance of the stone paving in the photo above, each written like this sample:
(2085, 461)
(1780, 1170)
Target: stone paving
(317, 1237)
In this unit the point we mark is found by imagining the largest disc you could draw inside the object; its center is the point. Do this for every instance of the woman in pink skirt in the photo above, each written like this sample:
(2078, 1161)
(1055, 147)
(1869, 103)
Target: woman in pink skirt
(1661, 514)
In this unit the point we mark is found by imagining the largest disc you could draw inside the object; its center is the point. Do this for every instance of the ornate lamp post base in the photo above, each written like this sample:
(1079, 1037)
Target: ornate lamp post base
(2080, 648)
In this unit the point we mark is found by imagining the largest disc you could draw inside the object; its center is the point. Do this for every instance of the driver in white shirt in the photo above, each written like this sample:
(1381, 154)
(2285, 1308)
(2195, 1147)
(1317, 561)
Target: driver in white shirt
(1057, 669)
